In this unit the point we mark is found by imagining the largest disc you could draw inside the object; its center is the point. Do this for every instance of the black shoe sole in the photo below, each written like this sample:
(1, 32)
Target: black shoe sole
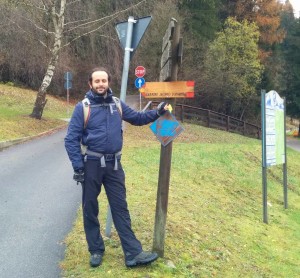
(134, 263)
(95, 265)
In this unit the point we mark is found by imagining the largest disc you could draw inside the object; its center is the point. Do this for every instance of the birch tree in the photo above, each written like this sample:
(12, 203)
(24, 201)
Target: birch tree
(58, 20)
(44, 21)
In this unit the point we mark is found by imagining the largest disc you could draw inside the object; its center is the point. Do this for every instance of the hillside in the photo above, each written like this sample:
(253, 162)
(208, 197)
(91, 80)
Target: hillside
(15, 106)
(214, 224)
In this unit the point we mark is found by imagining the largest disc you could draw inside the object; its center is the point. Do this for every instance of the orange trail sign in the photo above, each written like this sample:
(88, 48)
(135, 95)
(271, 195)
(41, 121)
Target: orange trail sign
(172, 89)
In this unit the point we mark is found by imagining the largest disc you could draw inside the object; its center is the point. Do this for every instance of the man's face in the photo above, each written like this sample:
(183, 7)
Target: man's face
(99, 82)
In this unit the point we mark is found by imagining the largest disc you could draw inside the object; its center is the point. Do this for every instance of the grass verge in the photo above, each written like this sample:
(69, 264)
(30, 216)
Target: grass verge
(214, 226)
(15, 106)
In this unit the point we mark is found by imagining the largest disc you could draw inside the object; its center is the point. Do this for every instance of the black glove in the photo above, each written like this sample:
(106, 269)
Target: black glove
(161, 108)
(78, 176)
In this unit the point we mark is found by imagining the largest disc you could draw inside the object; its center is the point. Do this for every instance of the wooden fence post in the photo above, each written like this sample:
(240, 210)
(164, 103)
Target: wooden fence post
(208, 118)
(227, 124)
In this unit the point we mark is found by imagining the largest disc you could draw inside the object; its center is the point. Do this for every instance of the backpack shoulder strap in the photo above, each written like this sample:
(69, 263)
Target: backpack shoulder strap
(118, 104)
(86, 105)
(86, 111)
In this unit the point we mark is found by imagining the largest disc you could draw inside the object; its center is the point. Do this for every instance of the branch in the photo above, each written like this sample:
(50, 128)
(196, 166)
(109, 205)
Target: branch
(29, 4)
(100, 19)
(87, 33)
(30, 34)
(32, 14)
(36, 26)
(70, 3)
(53, 17)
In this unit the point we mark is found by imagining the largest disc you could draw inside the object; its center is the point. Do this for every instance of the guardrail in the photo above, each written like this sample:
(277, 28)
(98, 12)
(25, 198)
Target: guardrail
(213, 119)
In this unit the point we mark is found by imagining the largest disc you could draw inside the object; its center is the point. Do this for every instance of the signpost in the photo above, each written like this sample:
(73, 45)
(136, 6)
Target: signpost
(140, 72)
(172, 39)
(68, 85)
(273, 141)
(130, 34)
(173, 89)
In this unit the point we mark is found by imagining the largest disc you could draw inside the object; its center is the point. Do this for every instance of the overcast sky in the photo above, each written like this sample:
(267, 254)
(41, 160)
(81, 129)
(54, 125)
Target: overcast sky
(296, 6)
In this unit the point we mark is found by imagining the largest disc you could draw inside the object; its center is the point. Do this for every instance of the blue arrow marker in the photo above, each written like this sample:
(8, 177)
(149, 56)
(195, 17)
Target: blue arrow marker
(166, 128)
(139, 82)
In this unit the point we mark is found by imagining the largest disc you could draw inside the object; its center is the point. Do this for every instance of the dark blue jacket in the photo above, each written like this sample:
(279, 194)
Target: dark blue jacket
(103, 133)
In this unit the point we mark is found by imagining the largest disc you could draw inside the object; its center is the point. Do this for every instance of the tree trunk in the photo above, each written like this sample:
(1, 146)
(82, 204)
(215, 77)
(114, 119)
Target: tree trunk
(58, 22)
(41, 100)
(299, 130)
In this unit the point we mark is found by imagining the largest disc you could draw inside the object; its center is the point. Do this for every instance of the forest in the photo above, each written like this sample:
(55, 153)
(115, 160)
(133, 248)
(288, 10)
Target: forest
(232, 49)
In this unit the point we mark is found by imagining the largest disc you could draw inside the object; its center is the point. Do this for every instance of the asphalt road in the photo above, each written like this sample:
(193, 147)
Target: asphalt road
(293, 143)
(39, 201)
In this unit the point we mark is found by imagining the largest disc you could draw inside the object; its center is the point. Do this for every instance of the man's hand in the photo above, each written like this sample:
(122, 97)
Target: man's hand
(162, 108)
(78, 176)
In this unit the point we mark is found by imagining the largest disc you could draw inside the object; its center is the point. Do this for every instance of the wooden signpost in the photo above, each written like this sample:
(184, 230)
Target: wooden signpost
(173, 89)
(171, 58)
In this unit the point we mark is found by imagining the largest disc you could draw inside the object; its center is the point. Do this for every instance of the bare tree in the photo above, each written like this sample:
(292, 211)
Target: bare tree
(44, 21)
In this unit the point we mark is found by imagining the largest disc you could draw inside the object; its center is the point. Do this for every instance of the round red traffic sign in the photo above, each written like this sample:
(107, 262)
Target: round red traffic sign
(140, 71)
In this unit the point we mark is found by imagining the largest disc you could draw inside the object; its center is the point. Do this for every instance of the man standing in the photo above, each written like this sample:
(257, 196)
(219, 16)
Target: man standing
(96, 128)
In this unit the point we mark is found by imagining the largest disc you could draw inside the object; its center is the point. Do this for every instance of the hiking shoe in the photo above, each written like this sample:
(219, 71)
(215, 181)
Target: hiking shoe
(142, 259)
(95, 260)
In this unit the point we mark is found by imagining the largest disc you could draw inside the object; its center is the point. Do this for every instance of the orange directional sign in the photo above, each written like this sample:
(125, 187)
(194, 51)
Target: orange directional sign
(173, 89)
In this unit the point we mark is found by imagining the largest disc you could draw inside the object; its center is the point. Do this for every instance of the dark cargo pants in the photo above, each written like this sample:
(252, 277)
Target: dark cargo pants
(114, 184)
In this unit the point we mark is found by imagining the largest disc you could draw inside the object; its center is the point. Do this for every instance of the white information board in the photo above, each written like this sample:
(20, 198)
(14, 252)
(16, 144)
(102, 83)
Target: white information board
(274, 125)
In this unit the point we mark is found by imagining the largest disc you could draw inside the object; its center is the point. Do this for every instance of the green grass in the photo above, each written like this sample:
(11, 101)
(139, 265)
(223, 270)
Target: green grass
(214, 224)
(15, 107)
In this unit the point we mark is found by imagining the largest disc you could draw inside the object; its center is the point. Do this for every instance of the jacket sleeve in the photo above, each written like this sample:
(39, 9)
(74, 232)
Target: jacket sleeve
(73, 137)
(138, 118)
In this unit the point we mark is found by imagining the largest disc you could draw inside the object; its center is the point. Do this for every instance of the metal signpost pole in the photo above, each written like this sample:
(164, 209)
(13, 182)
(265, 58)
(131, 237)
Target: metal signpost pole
(68, 96)
(68, 85)
(285, 189)
(128, 50)
(264, 158)
(129, 35)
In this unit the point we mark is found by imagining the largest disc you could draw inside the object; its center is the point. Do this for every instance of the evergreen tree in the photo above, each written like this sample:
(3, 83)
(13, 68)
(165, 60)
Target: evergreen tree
(291, 52)
(201, 17)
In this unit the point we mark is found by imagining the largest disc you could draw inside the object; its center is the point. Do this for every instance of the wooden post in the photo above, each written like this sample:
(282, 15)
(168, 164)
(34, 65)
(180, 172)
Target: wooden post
(208, 118)
(173, 32)
(227, 124)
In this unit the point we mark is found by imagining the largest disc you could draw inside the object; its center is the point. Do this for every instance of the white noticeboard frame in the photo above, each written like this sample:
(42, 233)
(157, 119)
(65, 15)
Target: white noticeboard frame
(274, 129)
(273, 119)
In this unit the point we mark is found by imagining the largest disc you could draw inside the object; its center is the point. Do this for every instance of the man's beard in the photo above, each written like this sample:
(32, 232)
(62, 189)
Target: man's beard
(103, 93)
